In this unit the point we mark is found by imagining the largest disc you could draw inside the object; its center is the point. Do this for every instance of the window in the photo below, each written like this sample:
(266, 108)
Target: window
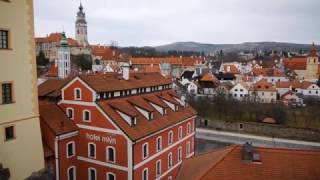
(169, 160)
(72, 173)
(70, 149)
(7, 93)
(179, 154)
(188, 148)
(188, 128)
(4, 39)
(158, 168)
(145, 174)
(159, 143)
(77, 94)
(180, 133)
(70, 113)
(111, 176)
(170, 178)
(170, 138)
(111, 154)
(9, 133)
(145, 150)
(92, 174)
(86, 116)
(91, 150)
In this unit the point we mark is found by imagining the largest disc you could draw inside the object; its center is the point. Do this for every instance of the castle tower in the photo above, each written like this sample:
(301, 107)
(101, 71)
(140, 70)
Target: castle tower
(312, 64)
(64, 67)
(20, 136)
(81, 28)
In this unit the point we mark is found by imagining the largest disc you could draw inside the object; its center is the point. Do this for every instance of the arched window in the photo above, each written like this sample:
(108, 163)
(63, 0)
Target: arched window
(111, 154)
(145, 150)
(170, 137)
(188, 128)
(111, 176)
(77, 94)
(91, 150)
(158, 168)
(70, 149)
(86, 115)
(72, 173)
(145, 174)
(92, 174)
(169, 160)
(180, 133)
(70, 113)
(159, 143)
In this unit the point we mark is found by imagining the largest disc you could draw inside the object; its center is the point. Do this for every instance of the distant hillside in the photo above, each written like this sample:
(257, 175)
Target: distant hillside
(248, 46)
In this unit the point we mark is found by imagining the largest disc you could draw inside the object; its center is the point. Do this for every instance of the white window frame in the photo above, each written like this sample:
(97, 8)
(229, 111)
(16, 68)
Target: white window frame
(74, 172)
(170, 165)
(147, 171)
(114, 175)
(73, 148)
(159, 146)
(95, 173)
(180, 133)
(179, 154)
(67, 110)
(170, 137)
(95, 150)
(83, 115)
(188, 128)
(114, 155)
(170, 178)
(147, 150)
(188, 148)
(159, 161)
(75, 94)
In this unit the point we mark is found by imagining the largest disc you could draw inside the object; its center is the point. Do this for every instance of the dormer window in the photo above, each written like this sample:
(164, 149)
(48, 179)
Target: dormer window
(131, 120)
(148, 115)
(77, 94)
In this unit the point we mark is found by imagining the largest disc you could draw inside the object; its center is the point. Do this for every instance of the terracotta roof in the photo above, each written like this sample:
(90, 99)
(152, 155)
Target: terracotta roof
(182, 61)
(55, 38)
(55, 118)
(269, 120)
(150, 68)
(268, 72)
(230, 68)
(296, 63)
(106, 53)
(144, 126)
(262, 85)
(209, 77)
(53, 71)
(226, 164)
(293, 84)
(52, 87)
(114, 81)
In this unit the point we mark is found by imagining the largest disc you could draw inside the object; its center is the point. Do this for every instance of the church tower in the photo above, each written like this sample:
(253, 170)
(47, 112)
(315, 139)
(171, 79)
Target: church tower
(81, 28)
(312, 64)
(64, 67)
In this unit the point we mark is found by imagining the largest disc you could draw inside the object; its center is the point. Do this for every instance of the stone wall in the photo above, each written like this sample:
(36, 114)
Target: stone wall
(262, 129)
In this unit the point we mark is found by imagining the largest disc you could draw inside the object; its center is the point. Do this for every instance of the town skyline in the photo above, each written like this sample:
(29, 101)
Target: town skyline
(155, 23)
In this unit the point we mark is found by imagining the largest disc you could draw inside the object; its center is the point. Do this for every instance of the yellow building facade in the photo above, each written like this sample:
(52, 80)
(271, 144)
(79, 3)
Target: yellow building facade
(20, 137)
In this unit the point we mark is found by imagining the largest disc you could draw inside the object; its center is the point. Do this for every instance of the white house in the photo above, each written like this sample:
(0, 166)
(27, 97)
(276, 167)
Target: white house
(240, 91)
(263, 91)
(192, 88)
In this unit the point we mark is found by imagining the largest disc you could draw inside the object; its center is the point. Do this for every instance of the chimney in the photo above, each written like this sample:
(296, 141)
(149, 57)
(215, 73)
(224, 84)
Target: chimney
(125, 71)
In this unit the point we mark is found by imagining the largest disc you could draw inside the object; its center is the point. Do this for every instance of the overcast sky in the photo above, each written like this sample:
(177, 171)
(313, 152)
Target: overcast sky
(156, 22)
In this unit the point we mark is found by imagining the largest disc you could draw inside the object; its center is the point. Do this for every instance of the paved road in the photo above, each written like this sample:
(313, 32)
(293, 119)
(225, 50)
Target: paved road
(237, 138)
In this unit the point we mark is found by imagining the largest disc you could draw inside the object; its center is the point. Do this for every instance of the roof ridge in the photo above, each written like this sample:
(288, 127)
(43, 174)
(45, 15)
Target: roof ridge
(232, 148)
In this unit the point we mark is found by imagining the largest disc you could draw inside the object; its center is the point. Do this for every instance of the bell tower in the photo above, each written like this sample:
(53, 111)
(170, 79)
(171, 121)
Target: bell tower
(312, 63)
(81, 28)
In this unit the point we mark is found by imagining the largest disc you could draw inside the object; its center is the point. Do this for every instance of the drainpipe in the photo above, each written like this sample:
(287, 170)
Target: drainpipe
(56, 154)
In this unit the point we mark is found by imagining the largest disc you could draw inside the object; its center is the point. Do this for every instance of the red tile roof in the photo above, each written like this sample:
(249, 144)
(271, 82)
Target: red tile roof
(55, 38)
(268, 72)
(262, 85)
(181, 61)
(107, 53)
(209, 77)
(293, 84)
(52, 87)
(231, 69)
(115, 82)
(295, 63)
(144, 127)
(53, 71)
(276, 164)
(55, 118)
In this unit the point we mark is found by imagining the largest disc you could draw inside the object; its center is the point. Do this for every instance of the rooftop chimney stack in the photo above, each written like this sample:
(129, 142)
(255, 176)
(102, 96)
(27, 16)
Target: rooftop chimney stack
(125, 71)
